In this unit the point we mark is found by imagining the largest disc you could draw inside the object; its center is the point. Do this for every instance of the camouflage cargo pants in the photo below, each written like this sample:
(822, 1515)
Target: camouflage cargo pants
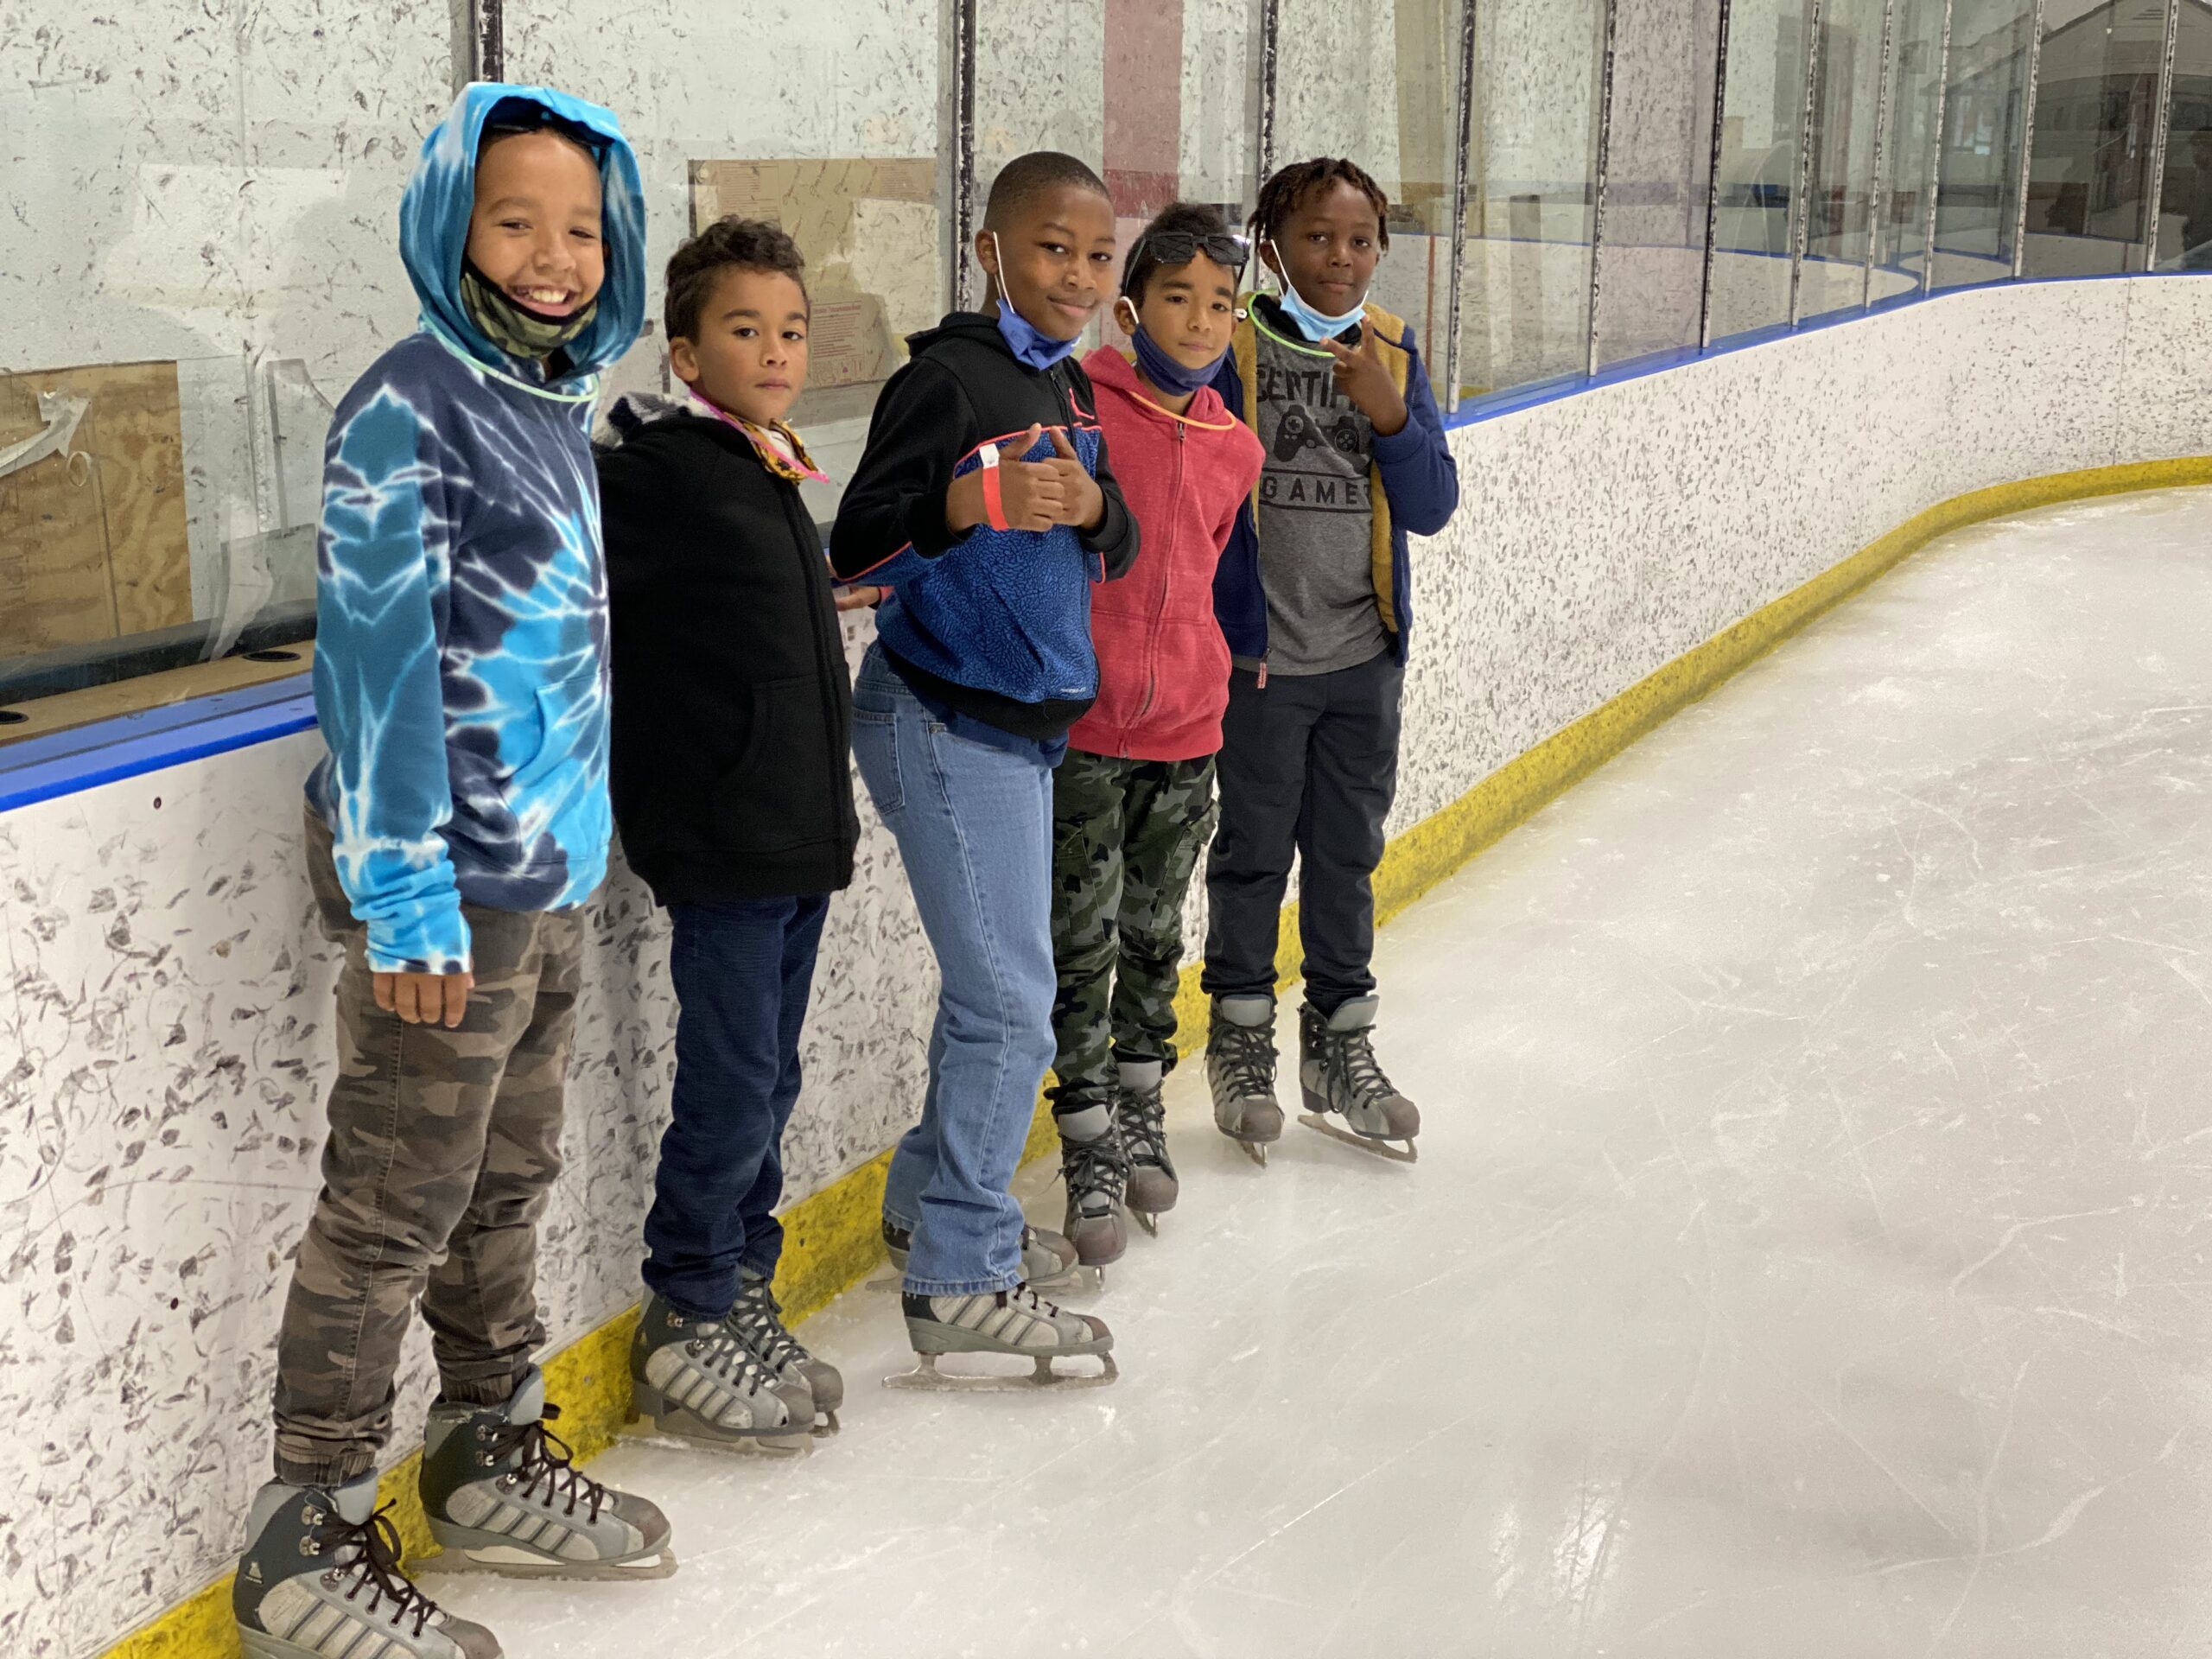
(1126, 837)
(443, 1147)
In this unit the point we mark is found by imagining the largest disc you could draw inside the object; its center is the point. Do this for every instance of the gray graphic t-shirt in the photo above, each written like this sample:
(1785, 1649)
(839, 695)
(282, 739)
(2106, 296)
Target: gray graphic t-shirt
(1316, 522)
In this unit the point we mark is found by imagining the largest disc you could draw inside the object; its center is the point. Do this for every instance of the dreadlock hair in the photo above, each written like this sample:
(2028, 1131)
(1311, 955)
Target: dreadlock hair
(730, 243)
(1026, 177)
(1191, 218)
(1288, 187)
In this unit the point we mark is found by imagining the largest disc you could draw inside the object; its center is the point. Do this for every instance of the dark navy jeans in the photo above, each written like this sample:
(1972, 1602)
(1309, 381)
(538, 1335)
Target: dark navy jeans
(742, 974)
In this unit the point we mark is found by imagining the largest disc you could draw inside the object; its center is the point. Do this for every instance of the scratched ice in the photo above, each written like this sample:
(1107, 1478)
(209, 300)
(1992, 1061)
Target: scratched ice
(1806, 1257)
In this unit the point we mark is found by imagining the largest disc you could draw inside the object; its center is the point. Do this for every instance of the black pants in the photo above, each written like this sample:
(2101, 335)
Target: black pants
(1309, 764)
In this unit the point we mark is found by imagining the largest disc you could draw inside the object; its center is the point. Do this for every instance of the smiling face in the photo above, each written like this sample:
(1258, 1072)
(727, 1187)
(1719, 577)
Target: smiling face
(1054, 259)
(749, 354)
(535, 231)
(1327, 247)
(1190, 311)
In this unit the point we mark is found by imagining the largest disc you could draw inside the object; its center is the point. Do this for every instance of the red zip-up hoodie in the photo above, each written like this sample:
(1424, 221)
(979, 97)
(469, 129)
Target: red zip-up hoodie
(1163, 666)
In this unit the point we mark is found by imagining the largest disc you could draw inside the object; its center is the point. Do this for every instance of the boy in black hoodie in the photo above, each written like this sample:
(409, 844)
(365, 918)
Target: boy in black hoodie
(732, 794)
(985, 502)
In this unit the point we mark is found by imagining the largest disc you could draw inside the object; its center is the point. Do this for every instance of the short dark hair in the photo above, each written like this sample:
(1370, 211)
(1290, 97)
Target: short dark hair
(1191, 218)
(729, 243)
(1025, 178)
(1280, 194)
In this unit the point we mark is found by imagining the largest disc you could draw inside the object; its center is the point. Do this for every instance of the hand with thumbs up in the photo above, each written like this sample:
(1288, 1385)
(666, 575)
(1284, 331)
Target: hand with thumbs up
(1363, 377)
(1033, 494)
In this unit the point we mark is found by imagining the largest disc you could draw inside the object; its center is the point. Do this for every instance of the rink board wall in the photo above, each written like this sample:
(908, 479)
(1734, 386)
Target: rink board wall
(167, 999)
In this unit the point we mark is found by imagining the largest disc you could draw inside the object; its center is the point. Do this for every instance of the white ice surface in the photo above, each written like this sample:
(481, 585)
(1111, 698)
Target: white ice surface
(1806, 1257)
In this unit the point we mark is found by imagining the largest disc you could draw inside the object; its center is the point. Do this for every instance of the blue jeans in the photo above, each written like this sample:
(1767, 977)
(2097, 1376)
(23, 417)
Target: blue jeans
(742, 974)
(973, 825)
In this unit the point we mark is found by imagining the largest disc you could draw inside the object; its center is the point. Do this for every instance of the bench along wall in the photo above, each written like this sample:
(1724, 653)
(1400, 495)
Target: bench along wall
(163, 1041)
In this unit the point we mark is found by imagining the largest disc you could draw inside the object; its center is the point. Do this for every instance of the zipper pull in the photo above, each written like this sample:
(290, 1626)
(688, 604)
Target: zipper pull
(1263, 676)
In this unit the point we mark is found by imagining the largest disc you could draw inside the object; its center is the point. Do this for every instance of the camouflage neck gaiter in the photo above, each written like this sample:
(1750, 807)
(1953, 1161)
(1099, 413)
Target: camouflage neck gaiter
(514, 329)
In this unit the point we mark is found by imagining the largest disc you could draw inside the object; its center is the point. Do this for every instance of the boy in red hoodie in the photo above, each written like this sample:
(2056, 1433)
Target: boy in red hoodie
(1133, 802)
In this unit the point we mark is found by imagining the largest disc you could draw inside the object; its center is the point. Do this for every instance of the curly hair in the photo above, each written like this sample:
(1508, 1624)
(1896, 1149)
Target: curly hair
(729, 243)
(1280, 196)
(1189, 218)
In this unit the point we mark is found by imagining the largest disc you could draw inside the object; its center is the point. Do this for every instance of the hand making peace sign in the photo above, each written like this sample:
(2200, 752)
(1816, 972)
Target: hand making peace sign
(1364, 377)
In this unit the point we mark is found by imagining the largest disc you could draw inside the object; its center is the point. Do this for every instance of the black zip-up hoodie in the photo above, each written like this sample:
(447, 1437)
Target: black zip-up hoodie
(994, 625)
(732, 704)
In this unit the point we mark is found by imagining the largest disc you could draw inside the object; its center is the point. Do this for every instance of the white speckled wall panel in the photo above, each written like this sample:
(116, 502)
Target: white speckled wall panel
(166, 1003)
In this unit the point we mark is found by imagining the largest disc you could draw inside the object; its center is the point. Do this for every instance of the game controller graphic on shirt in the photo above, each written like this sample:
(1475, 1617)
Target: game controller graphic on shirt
(1299, 432)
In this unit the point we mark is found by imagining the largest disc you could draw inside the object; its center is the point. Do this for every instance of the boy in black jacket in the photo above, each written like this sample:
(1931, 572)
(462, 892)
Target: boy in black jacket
(985, 502)
(732, 791)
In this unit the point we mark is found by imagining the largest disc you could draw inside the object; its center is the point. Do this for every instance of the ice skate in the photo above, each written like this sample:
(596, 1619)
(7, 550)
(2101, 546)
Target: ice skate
(1017, 1321)
(1141, 1115)
(1048, 1259)
(1342, 1079)
(1240, 1072)
(321, 1575)
(757, 1322)
(703, 1383)
(1095, 1168)
(503, 1496)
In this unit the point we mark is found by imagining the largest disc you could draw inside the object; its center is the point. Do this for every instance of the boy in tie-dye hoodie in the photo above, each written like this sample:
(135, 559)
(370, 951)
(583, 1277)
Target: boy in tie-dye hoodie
(454, 829)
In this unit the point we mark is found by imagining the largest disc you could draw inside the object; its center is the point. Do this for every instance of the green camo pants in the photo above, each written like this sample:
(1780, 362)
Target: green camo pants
(1126, 837)
(443, 1145)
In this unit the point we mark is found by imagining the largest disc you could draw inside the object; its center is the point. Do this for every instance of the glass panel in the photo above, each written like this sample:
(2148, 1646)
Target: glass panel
(1160, 96)
(1909, 151)
(1376, 83)
(1762, 120)
(2096, 97)
(1659, 166)
(2185, 203)
(1524, 304)
(1985, 112)
(198, 256)
(1846, 102)
(841, 146)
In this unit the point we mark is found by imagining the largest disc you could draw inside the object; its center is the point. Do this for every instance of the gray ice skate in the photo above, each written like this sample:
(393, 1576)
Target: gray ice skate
(758, 1321)
(1002, 1322)
(1141, 1115)
(1240, 1072)
(321, 1575)
(1342, 1079)
(503, 1496)
(1047, 1258)
(1095, 1168)
(703, 1382)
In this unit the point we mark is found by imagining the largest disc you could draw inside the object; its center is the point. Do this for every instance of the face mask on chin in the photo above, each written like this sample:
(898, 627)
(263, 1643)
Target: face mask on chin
(1164, 370)
(1029, 344)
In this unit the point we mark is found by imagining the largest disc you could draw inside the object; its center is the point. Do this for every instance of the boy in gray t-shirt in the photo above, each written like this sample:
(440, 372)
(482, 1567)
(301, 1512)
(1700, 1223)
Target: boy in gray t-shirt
(1313, 596)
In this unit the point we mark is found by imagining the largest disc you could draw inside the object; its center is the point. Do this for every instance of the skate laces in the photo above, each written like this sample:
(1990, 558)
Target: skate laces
(1248, 1055)
(1353, 1054)
(546, 1460)
(1142, 1120)
(1093, 1167)
(758, 1322)
(375, 1566)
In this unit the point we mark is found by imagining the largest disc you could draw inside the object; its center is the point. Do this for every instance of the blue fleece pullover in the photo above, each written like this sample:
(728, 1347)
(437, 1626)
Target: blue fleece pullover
(461, 605)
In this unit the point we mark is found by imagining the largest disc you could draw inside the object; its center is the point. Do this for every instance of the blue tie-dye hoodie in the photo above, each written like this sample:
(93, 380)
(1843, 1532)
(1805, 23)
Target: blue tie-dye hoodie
(460, 612)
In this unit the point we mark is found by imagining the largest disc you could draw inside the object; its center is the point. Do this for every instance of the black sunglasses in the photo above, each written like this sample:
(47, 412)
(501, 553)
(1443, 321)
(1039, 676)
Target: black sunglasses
(1180, 247)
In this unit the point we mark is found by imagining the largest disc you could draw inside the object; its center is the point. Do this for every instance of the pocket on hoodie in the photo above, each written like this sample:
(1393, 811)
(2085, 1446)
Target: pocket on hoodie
(570, 716)
(779, 792)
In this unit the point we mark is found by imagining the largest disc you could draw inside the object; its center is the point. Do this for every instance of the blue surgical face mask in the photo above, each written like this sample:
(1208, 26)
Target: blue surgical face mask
(1028, 343)
(1166, 371)
(1316, 325)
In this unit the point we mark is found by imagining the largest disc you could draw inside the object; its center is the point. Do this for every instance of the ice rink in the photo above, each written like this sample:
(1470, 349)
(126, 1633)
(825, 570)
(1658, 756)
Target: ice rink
(1807, 1256)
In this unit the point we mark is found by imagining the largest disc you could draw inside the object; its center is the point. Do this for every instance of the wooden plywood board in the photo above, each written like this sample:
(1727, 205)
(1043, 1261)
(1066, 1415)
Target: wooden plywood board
(850, 277)
(93, 542)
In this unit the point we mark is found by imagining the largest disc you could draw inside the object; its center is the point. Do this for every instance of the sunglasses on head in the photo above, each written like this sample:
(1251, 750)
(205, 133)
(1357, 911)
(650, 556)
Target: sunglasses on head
(1180, 247)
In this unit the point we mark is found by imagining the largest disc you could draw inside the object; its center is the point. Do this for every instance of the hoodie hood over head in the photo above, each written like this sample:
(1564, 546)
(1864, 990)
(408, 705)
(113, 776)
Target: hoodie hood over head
(434, 218)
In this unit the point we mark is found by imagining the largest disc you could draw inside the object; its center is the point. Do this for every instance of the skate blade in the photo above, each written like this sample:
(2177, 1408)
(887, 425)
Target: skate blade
(780, 1443)
(826, 1425)
(1407, 1153)
(1150, 1223)
(1256, 1150)
(461, 1558)
(925, 1377)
